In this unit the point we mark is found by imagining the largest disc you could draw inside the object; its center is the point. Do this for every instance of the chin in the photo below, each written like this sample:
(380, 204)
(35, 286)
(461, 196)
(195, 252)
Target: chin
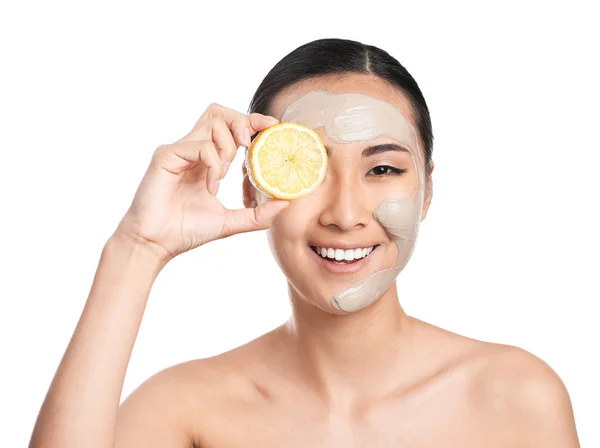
(314, 277)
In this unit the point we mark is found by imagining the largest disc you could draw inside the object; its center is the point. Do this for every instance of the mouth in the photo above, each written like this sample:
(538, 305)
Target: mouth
(343, 261)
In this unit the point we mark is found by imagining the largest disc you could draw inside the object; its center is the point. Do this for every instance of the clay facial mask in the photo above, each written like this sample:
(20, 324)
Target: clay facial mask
(356, 117)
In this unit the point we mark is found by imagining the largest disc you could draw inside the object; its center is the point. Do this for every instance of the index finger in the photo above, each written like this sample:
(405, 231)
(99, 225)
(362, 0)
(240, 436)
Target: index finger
(241, 126)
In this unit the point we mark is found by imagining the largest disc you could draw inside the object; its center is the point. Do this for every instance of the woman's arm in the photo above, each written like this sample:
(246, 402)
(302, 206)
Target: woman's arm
(81, 406)
(174, 210)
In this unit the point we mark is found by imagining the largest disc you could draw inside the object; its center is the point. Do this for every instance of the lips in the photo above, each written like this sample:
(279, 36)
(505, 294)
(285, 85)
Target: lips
(347, 255)
(343, 254)
(339, 265)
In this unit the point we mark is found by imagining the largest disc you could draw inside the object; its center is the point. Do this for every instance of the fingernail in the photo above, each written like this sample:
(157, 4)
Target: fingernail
(226, 167)
(247, 137)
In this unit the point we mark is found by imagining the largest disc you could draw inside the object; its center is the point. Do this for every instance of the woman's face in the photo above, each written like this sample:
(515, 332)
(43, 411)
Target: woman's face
(339, 214)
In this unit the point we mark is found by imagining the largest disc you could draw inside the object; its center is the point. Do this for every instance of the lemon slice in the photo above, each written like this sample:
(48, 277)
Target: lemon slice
(286, 161)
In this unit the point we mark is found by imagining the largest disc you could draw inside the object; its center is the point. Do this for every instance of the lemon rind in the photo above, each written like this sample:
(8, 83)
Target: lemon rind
(258, 181)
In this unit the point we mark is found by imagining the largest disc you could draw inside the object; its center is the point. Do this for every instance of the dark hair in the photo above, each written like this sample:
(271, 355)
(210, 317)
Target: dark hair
(340, 56)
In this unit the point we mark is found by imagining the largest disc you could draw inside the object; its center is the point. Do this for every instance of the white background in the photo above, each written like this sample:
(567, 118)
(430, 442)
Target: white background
(508, 252)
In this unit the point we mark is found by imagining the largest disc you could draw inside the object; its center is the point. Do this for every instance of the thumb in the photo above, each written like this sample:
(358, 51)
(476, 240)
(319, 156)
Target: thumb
(250, 219)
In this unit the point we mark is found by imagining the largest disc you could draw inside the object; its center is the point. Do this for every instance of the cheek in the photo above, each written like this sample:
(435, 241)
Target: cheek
(399, 217)
(291, 224)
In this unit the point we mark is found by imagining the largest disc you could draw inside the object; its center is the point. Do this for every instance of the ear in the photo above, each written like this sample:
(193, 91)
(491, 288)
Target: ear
(428, 192)
(248, 190)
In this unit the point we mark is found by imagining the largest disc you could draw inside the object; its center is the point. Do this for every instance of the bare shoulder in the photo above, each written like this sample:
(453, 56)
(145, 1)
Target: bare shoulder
(516, 398)
(521, 391)
(160, 412)
(170, 405)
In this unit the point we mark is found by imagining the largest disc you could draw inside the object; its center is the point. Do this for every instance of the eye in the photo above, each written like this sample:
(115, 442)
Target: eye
(386, 170)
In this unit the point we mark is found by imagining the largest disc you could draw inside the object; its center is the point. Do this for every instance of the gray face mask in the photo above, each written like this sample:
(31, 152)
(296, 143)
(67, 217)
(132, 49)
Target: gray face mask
(357, 117)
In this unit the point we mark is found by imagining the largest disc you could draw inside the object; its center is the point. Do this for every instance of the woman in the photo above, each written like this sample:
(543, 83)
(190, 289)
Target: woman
(349, 369)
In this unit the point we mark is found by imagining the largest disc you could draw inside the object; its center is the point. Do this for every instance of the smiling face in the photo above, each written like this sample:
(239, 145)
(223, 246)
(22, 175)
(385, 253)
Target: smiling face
(342, 246)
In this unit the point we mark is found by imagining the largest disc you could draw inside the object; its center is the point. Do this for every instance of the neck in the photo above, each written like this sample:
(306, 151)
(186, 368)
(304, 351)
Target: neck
(350, 356)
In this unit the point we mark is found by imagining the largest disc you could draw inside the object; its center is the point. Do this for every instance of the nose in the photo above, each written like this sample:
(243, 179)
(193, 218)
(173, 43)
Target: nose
(345, 208)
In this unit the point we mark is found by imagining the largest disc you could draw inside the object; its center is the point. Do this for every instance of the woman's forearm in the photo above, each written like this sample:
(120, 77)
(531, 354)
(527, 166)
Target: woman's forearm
(81, 406)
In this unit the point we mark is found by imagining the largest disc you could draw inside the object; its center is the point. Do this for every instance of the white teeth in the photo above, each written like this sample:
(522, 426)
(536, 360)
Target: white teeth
(341, 254)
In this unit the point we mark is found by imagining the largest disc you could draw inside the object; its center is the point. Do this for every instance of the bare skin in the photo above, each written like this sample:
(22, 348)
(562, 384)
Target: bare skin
(459, 393)
(374, 378)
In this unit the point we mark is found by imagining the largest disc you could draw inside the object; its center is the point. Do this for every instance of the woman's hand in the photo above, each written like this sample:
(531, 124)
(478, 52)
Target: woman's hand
(175, 209)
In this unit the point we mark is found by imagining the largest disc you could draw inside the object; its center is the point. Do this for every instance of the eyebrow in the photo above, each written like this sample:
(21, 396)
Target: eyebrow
(376, 149)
